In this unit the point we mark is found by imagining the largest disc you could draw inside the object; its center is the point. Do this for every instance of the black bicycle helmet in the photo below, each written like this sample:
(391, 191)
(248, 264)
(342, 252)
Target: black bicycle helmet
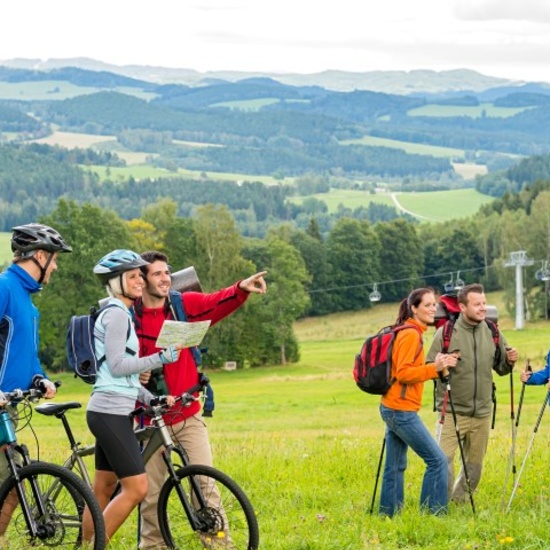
(116, 263)
(35, 236)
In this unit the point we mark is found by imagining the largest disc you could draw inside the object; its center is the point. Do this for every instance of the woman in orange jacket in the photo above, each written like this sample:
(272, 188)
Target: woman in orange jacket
(400, 405)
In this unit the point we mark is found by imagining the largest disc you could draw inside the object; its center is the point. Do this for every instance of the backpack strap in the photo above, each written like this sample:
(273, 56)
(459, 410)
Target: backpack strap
(496, 339)
(447, 334)
(420, 341)
(178, 312)
(128, 332)
(418, 351)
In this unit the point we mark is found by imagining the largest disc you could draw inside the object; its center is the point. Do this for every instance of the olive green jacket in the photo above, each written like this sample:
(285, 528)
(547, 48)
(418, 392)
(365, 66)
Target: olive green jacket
(471, 381)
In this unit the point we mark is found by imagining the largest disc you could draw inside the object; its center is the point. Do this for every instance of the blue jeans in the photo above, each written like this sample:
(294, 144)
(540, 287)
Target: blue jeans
(403, 430)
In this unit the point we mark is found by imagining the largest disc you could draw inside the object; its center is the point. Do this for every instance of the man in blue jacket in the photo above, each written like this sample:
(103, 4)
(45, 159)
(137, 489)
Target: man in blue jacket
(35, 248)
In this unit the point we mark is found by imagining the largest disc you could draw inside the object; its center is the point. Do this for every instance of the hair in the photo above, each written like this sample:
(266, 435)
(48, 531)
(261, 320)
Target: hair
(462, 295)
(413, 299)
(152, 256)
(114, 286)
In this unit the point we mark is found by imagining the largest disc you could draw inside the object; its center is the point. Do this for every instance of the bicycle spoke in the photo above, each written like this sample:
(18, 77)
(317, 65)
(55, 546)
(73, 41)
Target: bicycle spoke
(55, 499)
(227, 521)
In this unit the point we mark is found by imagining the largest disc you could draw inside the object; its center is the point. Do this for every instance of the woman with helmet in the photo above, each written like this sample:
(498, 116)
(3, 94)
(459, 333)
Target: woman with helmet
(117, 387)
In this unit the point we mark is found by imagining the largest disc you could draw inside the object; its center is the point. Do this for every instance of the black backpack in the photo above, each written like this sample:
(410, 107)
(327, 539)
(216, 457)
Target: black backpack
(79, 345)
(372, 367)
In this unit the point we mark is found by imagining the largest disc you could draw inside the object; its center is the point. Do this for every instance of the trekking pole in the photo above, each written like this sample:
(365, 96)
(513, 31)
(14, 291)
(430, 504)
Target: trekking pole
(460, 446)
(442, 415)
(515, 422)
(494, 398)
(528, 369)
(378, 474)
(542, 409)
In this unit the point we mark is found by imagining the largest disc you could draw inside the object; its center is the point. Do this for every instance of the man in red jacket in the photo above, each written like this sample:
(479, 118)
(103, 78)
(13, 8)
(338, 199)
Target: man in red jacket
(187, 424)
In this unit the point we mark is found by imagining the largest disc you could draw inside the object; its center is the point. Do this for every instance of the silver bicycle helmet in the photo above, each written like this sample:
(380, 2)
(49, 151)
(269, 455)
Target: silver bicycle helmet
(35, 236)
(116, 263)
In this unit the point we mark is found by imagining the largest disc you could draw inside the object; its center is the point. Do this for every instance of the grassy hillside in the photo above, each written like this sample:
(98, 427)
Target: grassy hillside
(408, 147)
(478, 111)
(48, 90)
(304, 443)
(429, 206)
(5, 248)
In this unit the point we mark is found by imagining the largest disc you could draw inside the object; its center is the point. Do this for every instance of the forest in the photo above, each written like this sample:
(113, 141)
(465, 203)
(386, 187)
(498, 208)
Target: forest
(260, 126)
(356, 265)
(317, 262)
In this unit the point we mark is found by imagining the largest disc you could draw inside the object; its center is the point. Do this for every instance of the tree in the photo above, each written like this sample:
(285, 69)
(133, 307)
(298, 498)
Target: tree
(314, 254)
(92, 233)
(353, 250)
(286, 299)
(219, 245)
(145, 235)
(401, 259)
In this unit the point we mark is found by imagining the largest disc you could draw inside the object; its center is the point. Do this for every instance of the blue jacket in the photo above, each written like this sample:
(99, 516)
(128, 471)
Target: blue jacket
(19, 320)
(541, 376)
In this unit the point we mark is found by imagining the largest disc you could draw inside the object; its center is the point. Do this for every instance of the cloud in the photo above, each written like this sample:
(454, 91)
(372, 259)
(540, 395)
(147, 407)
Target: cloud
(537, 11)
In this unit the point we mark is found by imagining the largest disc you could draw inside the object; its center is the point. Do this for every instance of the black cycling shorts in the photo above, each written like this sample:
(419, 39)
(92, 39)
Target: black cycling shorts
(116, 449)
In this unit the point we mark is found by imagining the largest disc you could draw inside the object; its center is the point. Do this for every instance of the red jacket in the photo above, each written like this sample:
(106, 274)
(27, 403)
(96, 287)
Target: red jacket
(183, 374)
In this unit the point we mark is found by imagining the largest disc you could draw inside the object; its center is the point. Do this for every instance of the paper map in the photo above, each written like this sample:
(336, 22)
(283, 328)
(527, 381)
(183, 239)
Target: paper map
(179, 333)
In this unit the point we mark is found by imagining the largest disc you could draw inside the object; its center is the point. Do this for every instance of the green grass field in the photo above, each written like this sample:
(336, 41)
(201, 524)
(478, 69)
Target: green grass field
(56, 90)
(5, 248)
(466, 202)
(426, 206)
(483, 109)
(304, 443)
(408, 147)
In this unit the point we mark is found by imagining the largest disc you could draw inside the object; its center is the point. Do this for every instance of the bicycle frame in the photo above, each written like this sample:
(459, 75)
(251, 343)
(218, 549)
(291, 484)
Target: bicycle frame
(193, 487)
(10, 449)
(157, 435)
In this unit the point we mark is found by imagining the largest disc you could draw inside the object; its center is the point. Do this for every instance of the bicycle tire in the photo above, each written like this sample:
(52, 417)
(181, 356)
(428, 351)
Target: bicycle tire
(231, 525)
(65, 495)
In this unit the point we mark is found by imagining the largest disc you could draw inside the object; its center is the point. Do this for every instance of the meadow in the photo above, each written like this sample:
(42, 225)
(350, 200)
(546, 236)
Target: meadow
(477, 111)
(425, 206)
(48, 90)
(304, 443)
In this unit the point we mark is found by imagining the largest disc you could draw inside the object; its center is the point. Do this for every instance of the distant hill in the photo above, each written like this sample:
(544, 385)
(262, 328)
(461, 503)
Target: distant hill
(393, 82)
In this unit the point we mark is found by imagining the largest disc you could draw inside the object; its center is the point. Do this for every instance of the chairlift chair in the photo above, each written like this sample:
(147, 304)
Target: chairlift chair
(543, 274)
(459, 283)
(375, 296)
(449, 286)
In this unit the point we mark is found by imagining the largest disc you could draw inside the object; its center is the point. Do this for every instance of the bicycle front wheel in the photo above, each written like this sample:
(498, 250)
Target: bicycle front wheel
(50, 512)
(223, 515)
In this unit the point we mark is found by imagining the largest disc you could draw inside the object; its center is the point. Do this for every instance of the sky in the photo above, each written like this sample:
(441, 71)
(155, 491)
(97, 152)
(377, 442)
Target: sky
(503, 38)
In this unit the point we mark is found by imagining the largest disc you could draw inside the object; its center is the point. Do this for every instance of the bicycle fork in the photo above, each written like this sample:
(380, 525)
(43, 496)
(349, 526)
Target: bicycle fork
(198, 523)
(42, 530)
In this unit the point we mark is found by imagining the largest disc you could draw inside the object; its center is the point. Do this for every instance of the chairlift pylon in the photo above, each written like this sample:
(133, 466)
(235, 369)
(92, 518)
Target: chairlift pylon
(375, 296)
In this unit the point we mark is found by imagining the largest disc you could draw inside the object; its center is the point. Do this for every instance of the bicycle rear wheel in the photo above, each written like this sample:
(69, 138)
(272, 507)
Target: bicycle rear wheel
(227, 521)
(56, 498)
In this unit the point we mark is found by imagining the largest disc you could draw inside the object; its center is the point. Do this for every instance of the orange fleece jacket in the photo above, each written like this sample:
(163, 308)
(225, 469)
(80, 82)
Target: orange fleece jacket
(409, 370)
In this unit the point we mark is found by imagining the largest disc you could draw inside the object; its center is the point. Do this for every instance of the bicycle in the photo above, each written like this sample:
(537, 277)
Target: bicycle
(41, 504)
(218, 513)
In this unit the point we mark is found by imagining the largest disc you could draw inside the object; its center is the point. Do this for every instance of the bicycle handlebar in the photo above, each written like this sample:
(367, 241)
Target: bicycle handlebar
(186, 397)
(31, 394)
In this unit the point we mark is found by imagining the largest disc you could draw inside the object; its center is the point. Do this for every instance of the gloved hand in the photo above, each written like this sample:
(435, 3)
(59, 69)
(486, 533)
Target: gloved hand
(47, 387)
(169, 355)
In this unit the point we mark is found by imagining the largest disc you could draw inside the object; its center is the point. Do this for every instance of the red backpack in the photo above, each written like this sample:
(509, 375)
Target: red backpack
(372, 367)
(446, 315)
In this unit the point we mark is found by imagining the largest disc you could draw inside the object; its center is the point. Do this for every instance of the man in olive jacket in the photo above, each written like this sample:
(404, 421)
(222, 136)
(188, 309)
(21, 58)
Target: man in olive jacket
(471, 386)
